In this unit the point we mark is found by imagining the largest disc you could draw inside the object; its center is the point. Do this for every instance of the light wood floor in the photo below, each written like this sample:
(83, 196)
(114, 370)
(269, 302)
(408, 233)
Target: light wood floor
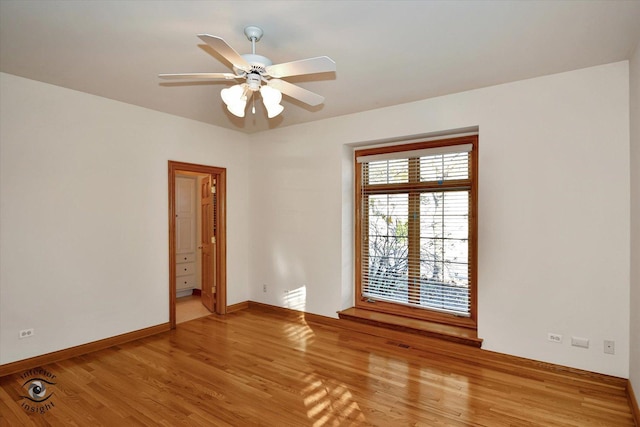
(257, 367)
(189, 308)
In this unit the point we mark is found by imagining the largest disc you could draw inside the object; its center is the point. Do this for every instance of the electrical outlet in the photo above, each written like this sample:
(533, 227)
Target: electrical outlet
(609, 347)
(26, 333)
(554, 337)
(264, 288)
(580, 342)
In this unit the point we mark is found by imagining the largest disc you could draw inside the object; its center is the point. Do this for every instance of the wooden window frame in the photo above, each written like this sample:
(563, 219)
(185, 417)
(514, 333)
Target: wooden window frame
(416, 312)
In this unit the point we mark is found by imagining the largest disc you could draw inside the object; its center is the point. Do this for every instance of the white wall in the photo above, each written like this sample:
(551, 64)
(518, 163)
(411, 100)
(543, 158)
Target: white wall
(83, 225)
(83, 214)
(553, 211)
(634, 86)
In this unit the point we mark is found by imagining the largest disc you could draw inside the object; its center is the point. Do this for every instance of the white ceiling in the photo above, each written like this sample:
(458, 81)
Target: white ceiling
(387, 52)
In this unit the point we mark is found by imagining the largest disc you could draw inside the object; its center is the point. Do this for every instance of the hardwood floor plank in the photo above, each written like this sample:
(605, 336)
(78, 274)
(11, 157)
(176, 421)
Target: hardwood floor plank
(257, 367)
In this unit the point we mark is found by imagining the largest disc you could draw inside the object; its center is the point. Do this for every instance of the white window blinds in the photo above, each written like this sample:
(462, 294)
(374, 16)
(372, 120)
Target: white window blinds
(415, 212)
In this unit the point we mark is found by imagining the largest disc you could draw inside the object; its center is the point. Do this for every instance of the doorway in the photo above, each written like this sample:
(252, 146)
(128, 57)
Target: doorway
(202, 254)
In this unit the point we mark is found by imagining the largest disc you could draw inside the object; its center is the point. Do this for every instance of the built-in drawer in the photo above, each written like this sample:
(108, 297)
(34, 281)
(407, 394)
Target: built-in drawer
(188, 257)
(185, 269)
(186, 282)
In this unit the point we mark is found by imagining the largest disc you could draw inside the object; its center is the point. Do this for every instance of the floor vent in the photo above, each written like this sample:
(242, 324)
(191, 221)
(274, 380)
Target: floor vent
(399, 344)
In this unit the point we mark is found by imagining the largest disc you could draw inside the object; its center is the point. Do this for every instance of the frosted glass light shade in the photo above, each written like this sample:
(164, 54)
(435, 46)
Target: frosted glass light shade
(273, 110)
(271, 98)
(238, 108)
(232, 94)
(235, 99)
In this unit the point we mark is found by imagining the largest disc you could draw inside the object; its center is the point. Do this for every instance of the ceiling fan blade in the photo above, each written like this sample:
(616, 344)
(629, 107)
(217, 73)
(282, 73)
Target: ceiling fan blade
(221, 46)
(296, 92)
(194, 76)
(321, 64)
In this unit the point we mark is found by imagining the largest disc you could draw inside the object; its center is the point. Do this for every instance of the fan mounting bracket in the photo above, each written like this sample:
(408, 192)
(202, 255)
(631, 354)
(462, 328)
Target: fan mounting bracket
(253, 33)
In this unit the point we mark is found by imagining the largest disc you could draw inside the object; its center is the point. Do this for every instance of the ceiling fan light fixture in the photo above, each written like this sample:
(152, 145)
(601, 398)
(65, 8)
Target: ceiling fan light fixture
(235, 98)
(274, 110)
(270, 95)
(238, 108)
(271, 98)
(232, 94)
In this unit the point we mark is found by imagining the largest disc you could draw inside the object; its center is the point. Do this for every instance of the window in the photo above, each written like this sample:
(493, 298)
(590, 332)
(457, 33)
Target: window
(416, 230)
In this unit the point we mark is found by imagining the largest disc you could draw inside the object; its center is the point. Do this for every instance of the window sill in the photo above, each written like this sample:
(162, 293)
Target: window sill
(425, 328)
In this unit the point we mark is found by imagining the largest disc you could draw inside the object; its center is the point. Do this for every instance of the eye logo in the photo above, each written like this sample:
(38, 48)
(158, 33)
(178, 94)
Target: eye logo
(37, 389)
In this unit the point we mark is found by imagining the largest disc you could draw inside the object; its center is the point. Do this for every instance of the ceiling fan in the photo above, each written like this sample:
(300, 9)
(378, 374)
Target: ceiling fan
(260, 74)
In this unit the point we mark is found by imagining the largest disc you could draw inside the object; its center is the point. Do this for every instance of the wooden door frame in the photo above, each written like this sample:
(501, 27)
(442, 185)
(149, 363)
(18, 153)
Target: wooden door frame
(221, 254)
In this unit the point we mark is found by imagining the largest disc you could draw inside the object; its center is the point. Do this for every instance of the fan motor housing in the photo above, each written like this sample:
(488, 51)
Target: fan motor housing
(258, 64)
(257, 60)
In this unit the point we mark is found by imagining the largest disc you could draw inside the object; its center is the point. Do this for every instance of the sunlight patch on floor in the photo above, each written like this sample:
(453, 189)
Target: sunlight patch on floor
(299, 335)
(329, 403)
